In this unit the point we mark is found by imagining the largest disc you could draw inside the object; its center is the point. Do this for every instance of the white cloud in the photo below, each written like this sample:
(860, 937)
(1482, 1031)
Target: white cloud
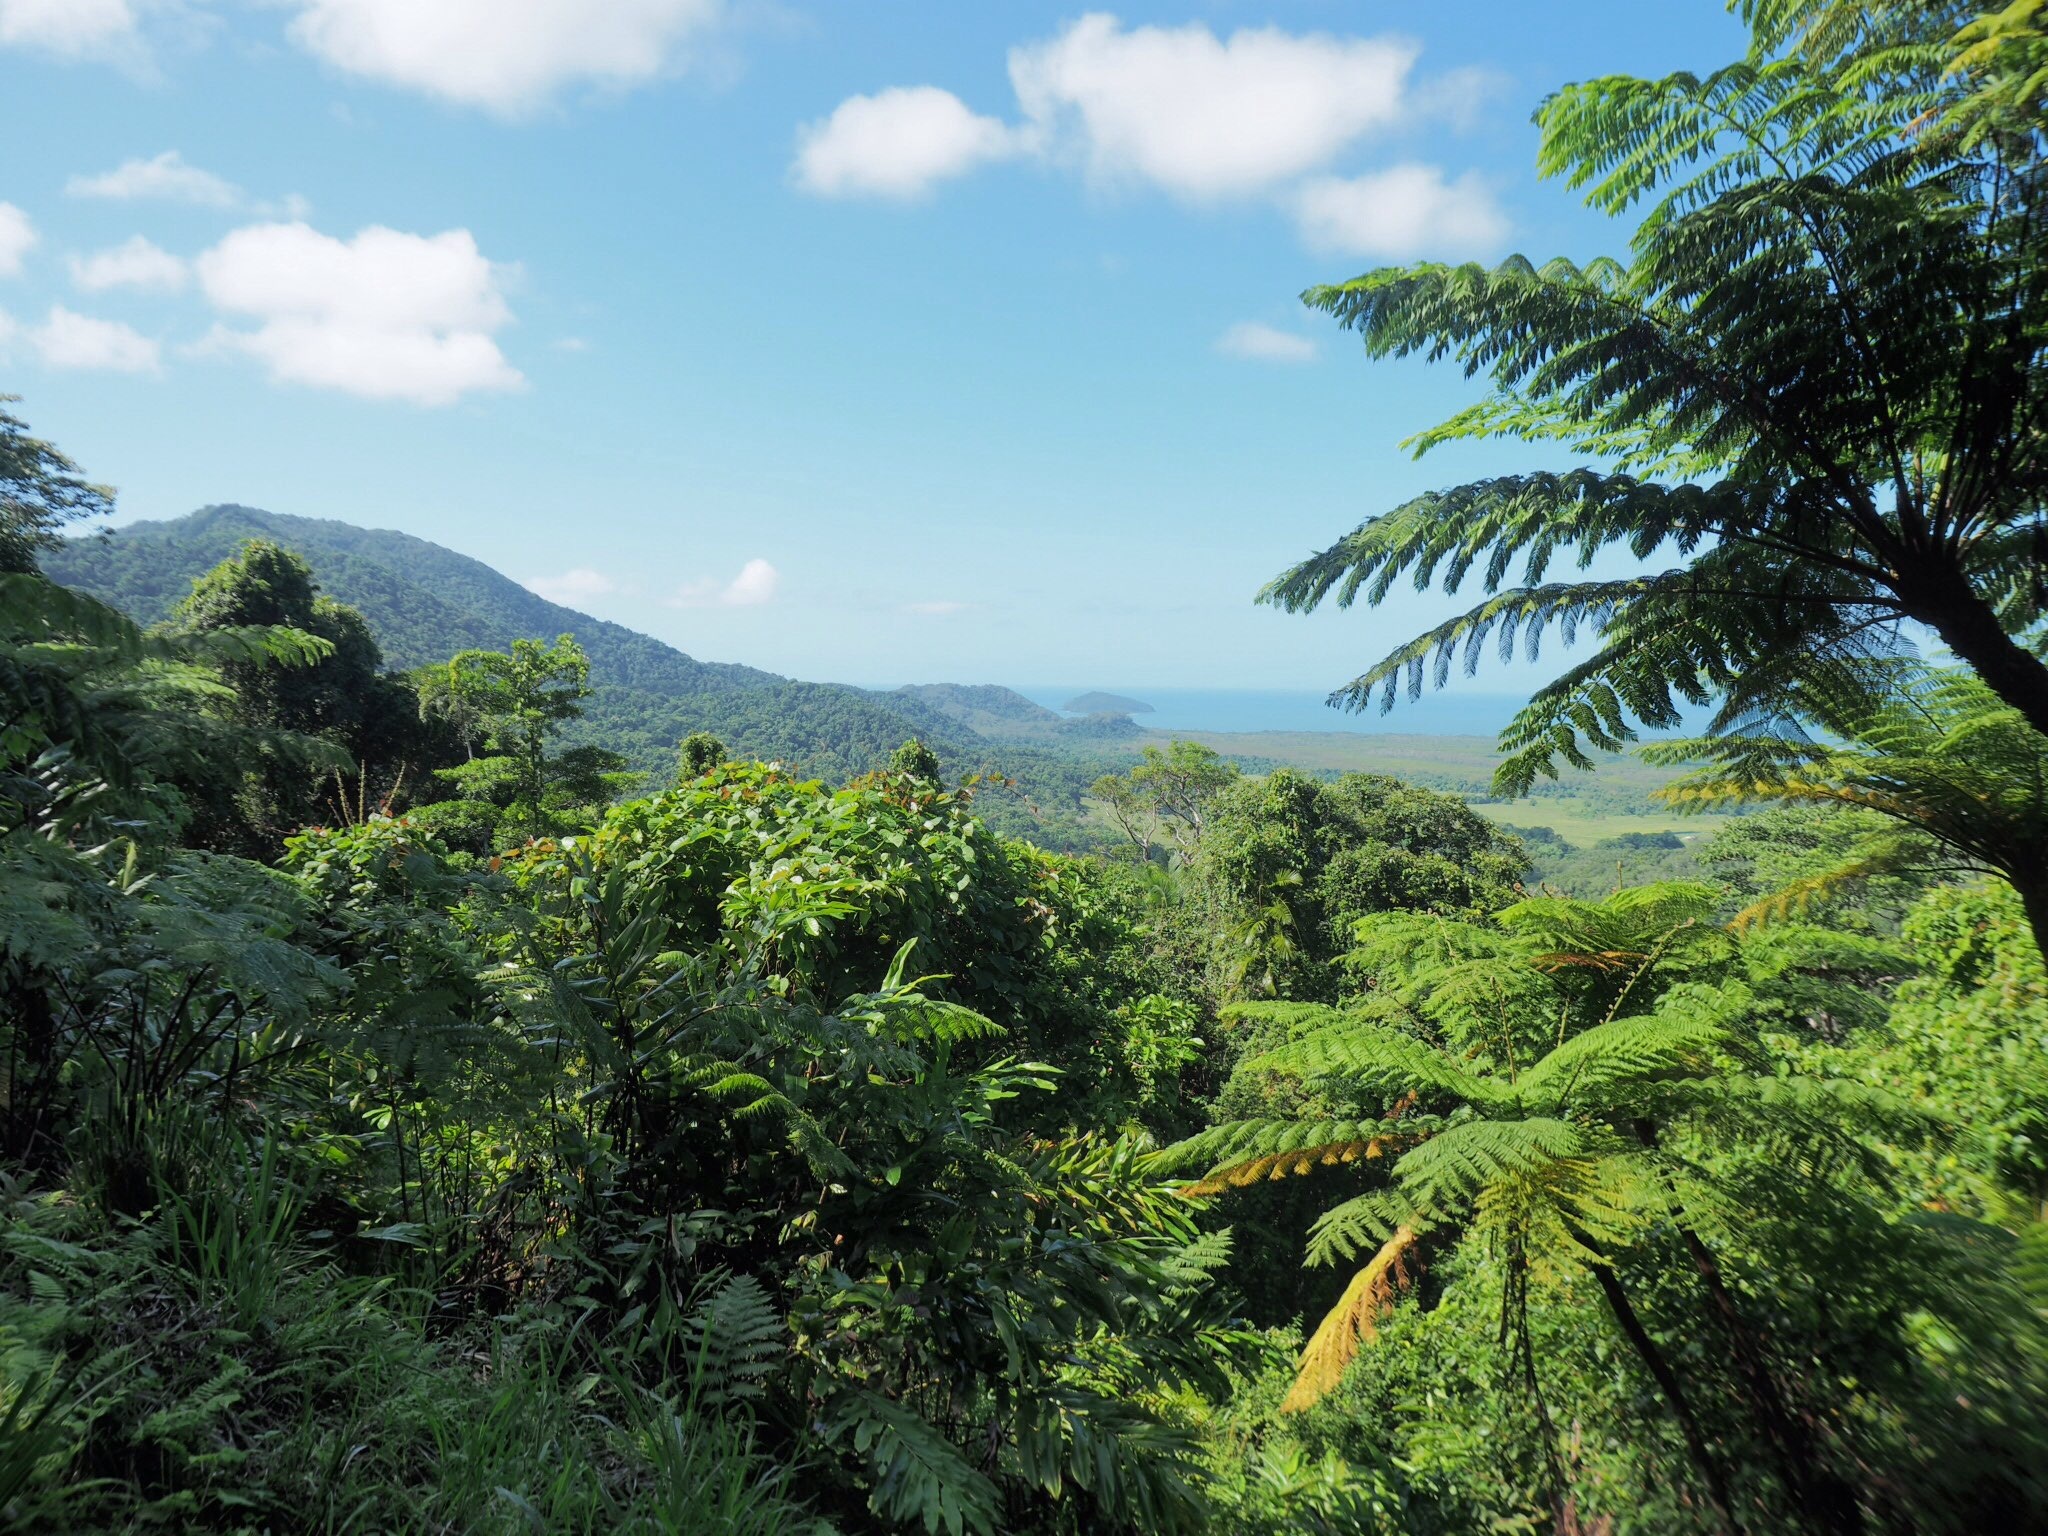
(1407, 210)
(571, 344)
(7, 330)
(70, 28)
(71, 340)
(897, 143)
(937, 608)
(1265, 344)
(1260, 113)
(755, 585)
(506, 56)
(17, 238)
(135, 263)
(1201, 116)
(578, 585)
(387, 315)
(165, 177)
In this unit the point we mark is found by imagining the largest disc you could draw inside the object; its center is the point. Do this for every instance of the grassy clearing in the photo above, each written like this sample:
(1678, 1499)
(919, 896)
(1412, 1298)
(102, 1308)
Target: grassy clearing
(1582, 825)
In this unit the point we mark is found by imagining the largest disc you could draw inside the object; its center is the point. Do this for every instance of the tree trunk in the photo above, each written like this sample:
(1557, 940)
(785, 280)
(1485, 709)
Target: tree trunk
(1674, 1396)
(1945, 602)
(1829, 1504)
(2034, 900)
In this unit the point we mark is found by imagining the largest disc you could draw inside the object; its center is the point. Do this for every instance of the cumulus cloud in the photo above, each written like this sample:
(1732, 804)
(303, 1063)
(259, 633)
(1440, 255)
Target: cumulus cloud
(75, 29)
(937, 608)
(1265, 344)
(165, 177)
(506, 56)
(17, 238)
(897, 143)
(1262, 113)
(573, 586)
(387, 315)
(67, 339)
(1201, 116)
(755, 585)
(1399, 212)
(135, 263)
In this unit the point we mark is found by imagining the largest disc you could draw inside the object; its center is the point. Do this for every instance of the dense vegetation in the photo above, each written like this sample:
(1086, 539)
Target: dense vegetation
(419, 1112)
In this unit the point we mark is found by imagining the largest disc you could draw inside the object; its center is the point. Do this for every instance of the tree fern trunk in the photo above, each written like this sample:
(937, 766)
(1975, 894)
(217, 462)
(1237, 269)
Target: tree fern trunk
(2034, 899)
(1945, 601)
(1674, 1396)
(1829, 1504)
(1827, 1501)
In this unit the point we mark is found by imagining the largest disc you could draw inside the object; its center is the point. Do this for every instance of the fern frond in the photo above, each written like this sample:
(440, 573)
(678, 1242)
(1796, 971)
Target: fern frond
(1616, 1060)
(920, 1478)
(1294, 1162)
(1272, 1143)
(1446, 1172)
(1354, 1321)
(1376, 1061)
(736, 1341)
(1873, 859)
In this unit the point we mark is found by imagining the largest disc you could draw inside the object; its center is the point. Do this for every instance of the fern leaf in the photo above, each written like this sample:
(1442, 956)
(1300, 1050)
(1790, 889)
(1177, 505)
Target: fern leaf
(1353, 1322)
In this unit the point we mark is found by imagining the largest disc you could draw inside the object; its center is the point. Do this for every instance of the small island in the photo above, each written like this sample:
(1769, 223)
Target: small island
(1106, 704)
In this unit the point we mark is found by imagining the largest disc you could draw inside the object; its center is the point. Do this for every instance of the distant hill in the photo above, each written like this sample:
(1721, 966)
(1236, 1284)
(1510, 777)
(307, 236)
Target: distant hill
(425, 603)
(986, 709)
(1107, 704)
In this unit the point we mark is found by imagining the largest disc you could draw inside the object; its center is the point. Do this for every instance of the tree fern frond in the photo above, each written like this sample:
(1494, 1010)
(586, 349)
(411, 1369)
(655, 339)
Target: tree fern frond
(1615, 1061)
(1376, 1061)
(1447, 1171)
(1353, 1321)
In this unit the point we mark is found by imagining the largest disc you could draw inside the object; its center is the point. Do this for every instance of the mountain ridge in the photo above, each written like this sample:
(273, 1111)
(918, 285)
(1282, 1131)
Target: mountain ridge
(425, 602)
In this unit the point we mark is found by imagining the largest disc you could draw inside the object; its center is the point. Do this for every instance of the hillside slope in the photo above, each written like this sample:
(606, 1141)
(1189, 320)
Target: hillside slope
(425, 603)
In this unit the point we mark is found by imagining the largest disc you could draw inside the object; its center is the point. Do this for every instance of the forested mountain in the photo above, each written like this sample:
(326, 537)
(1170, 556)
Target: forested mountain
(988, 708)
(1100, 703)
(425, 603)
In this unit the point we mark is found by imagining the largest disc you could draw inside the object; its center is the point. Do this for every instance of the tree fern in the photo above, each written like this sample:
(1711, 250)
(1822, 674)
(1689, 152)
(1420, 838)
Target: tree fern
(1806, 392)
(1565, 1041)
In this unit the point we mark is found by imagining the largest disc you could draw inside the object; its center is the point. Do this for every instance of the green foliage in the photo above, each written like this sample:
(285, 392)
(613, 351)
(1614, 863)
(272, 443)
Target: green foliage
(697, 754)
(764, 1156)
(1289, 864)
(1934, 752)
(344, 698)
(1168, 793)
(915, 760)
(40, 491)
(513, 705)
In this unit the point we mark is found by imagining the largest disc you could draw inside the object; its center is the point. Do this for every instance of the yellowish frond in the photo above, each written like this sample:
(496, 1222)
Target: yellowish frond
(1881, 857)
(1353, 1322)
(1280, 1165)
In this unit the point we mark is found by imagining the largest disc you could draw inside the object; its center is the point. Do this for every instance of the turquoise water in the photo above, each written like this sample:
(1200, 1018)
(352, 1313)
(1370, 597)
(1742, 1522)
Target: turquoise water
(1235, 709)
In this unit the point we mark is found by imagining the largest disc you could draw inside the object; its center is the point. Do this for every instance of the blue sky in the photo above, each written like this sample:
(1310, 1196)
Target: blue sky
(882, 344)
